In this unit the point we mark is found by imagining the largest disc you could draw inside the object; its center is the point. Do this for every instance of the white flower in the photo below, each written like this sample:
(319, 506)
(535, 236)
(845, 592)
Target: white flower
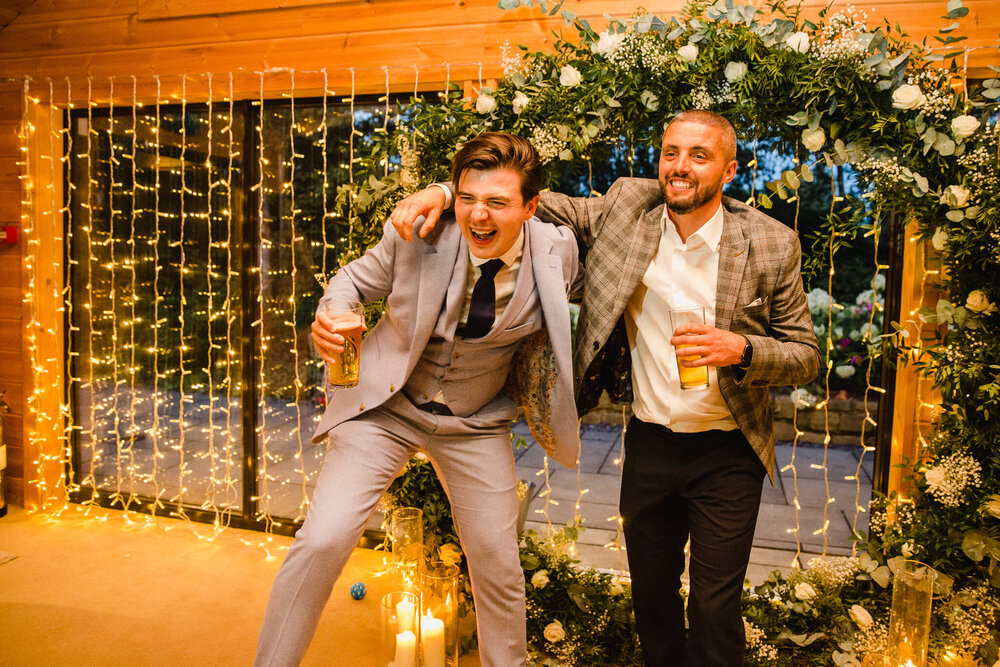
(650, 100)
(540, 579)
(935, 476)
(813, 140)
(907, 548)
(955, 196)
(688, 53)
(615, 588)
(735, 71)
(939, 239)
(570, 76)
(804, 591)
(978, 302)
(485, 104)
(860, 616)
(554, 632)
(907, 96)
(819, 300)
(798, 41)
(607, 44)
(802, 398)
(519, 102)
(845, 371)
(879, 281)
(964, 126)
(992, 506)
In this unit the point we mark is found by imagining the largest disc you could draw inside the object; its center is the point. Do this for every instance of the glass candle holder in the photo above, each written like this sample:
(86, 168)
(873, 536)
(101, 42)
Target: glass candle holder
(872, 659)
(910, 615)
(406, 530)
(439, 615)
(399, 630)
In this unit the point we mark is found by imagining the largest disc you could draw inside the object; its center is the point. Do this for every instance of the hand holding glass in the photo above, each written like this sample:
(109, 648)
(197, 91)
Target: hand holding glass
(344, 369)
(691, 378)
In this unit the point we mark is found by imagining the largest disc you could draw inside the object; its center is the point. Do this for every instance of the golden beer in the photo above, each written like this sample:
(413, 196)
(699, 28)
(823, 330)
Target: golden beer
(691, 378)
(345, 369)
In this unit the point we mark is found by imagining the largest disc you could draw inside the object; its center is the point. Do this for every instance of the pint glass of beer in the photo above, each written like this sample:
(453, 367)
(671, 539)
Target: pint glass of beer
(691, 378)
(345, 368)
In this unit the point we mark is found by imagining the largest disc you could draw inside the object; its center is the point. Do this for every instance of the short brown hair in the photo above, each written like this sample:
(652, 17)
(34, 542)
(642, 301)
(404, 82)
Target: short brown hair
(499, 150)
(713, 120)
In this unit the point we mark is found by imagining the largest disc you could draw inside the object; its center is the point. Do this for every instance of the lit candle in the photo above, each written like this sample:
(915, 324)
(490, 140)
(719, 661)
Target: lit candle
(406, 649)
(404, 615)
(432, 640)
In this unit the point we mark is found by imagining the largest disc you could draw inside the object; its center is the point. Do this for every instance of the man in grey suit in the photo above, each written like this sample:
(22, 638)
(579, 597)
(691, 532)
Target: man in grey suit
(694, 460)
(476, 319)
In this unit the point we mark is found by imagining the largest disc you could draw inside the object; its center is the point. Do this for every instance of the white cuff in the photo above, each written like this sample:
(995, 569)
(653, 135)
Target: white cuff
(447, 194)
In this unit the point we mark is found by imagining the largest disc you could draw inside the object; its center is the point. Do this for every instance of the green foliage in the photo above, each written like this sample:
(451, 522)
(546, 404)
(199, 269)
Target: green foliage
(839, 96)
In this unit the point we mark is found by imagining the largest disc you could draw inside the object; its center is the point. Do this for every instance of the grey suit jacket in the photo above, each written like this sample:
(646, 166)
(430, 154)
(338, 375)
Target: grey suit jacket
(415, 277)
(759, 295)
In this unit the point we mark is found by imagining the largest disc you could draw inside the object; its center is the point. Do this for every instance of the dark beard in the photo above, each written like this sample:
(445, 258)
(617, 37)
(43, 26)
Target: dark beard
(700, 198)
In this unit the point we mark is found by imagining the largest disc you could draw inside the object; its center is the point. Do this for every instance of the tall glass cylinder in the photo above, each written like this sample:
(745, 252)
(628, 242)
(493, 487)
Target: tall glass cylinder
(400, 630)
(910, 616)
(406, 530)
(439, 629)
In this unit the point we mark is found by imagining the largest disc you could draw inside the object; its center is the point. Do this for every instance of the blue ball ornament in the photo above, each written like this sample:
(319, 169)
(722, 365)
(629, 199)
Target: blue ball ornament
(358, 591)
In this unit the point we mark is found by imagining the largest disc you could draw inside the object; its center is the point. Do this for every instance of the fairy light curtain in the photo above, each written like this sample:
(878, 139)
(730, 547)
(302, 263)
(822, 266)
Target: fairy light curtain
(199, 230)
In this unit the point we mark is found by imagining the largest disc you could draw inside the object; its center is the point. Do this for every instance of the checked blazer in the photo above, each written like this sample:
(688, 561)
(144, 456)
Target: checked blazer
(759, 295)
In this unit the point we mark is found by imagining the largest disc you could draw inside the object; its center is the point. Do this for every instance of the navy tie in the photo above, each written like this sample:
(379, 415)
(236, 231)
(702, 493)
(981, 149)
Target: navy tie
(483, 306)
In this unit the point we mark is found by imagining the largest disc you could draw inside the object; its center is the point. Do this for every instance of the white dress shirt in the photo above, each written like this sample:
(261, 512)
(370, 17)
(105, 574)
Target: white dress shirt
(681, 275)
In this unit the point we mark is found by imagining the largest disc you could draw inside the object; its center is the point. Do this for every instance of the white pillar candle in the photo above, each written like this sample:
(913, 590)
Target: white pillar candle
(405, 611)
(406, 650)
(432, 640)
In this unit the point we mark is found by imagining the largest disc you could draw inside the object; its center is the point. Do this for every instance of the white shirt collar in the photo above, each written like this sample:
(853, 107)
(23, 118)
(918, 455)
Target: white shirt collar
(710, 233)
(508, 257)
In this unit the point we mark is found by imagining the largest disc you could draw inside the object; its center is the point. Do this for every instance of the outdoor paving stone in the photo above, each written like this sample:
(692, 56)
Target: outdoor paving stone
(775, 494)
(598, 557)
(602, 432)
(814, 494)
(839, 462)
(774, 522)
(764, 561)
(565, 484)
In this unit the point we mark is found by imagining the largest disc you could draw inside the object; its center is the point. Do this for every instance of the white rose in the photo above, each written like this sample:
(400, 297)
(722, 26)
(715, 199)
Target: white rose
(607, 44)
(978, 302)
(939, 239)
(688, 52)
(813, 140)
(860, 616)
(798, 41)
(992, 506)
(935, 476)
(615, 588)
(485, 104)
(964, 126)
(804, 591)
(907, 97)
(540, 579)
(519, 102)
(569, 76)
(554, 632)
(955, 196)
(845, 371)
(649, 100)
(735, 71)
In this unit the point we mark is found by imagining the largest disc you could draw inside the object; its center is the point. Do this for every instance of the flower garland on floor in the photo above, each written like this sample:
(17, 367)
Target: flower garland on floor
(833, 90)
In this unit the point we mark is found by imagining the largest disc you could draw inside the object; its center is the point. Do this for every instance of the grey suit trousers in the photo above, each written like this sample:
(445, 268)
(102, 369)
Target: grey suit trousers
(473, 459)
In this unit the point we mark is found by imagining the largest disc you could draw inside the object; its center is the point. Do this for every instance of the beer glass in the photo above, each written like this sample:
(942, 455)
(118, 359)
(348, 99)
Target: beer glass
(345, 369)
(691, 378)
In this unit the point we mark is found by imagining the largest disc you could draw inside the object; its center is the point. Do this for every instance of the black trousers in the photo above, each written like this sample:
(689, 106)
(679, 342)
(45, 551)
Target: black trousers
(705, 486)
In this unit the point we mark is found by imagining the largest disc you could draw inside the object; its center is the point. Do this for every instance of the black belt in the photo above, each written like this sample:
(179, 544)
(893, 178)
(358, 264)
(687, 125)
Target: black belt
(436, 408)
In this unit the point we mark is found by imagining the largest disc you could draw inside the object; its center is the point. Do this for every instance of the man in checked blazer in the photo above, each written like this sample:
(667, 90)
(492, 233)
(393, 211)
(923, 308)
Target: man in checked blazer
(694, 460)
(438, 378)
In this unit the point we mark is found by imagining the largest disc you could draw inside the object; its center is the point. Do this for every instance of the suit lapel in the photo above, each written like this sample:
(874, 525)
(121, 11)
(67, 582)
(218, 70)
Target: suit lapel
(733, 252)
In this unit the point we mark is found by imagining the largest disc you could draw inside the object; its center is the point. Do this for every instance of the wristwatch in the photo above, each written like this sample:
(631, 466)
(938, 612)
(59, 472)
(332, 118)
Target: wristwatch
(747, 356)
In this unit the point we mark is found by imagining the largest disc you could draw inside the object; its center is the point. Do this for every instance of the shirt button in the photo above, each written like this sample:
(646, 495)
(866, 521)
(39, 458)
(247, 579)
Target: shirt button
(426, 396)
(392, 387)
(597, 346)
(456, 355)
(361, 407)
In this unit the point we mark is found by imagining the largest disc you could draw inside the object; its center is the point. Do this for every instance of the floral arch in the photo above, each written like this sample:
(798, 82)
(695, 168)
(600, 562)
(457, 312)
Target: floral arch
(922, 141)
